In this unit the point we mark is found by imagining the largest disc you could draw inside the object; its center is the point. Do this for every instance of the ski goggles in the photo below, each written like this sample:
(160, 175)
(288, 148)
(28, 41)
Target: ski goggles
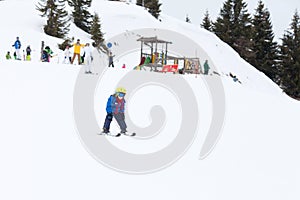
(121, 94)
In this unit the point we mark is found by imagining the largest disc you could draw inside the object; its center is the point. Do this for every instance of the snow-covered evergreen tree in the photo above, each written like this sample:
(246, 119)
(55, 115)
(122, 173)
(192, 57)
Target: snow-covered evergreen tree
(57, 17)
(96, 33)
(153, 6)
(290, 57)
(222, 27)
(266, 50)
(233, 26)
(206, 22)
(81, 15)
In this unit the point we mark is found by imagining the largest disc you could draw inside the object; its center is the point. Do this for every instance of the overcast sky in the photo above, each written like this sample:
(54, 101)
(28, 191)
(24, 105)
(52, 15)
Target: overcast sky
(281, 10)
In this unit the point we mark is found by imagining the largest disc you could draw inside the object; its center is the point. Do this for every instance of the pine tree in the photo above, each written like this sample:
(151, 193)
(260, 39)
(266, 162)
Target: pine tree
(290, 57)
(57, 18)
(233, 26)
(266, 50)
(139, 2)
(153, 6)
(81, 16)
(144, 3)
(96, 33)
(187, 19)
(241, 32)
(206, 22)
(223, 25)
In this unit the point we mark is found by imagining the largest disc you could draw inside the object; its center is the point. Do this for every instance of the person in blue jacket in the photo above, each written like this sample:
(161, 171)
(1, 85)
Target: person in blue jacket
(17, 46)
(115, 108)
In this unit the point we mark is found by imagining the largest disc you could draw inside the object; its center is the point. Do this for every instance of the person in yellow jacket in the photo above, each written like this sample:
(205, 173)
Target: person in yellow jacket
(77, 47)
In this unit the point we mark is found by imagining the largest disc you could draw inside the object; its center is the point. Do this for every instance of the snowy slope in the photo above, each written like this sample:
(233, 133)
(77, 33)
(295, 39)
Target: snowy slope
(129, 17)
(44, 157)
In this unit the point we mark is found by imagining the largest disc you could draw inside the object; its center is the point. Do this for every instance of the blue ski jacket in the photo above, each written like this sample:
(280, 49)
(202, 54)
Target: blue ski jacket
(115, 106)
(17, 44)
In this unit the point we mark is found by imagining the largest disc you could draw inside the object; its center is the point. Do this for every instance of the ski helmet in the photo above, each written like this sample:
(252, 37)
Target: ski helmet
(121, 90)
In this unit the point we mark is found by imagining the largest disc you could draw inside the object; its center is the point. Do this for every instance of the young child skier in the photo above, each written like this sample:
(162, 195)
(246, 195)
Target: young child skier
(28, 53)
(89, 58)
(45, 56)
(67, 53)
(8, 56)
(115, 107)
(47, 53)
(111, 59)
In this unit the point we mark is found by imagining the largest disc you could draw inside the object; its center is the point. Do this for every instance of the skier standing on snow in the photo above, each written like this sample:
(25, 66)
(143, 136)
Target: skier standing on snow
(115, 107)
(49, 53)
(8, 56)
(15, 55)
(45, 56)
(67, 53)
(89, 58)
(17, 46)
(28, 53)
(77, 47)
(111, 60)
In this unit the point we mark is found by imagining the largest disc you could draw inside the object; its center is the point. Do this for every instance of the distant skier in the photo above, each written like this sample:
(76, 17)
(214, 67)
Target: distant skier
(15, 55)
(77, 47)
(28, 53)
(115, 107)
(234, 78)
(206, 67)
(17, 46)
(8, 56)
(82, 57)
(89, 58)
(46, 54)
(67, 53)
(49, 52)
(111, 60)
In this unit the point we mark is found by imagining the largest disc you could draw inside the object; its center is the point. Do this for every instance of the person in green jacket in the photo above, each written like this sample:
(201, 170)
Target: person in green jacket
(49, 52)
(206, 67)
(8, 56)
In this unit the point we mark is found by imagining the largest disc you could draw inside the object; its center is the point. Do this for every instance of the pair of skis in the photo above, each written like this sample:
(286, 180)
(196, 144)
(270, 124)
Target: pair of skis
(118, 134)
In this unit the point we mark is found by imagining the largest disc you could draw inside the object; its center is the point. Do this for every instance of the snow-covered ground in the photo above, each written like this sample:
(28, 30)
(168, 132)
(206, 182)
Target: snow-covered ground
(44, 154)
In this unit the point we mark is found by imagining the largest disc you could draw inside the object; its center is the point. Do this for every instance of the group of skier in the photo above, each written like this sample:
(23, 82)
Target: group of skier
(26, 56)
(17, 53)
(47, 53)
(85, 58)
